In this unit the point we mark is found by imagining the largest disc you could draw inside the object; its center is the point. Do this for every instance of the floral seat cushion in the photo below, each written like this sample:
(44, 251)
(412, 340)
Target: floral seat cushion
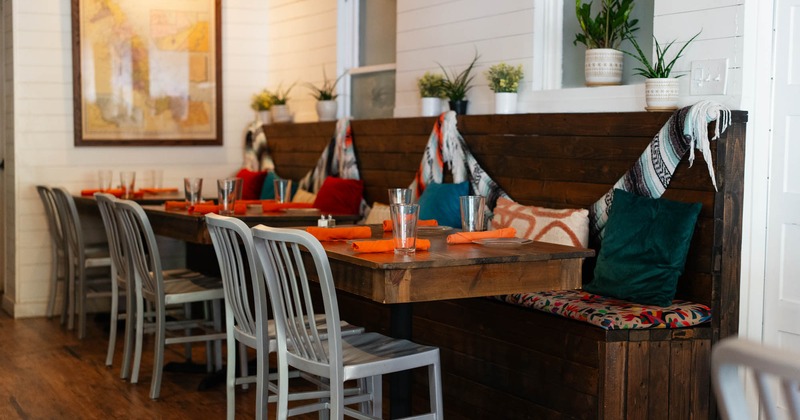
(610, 313)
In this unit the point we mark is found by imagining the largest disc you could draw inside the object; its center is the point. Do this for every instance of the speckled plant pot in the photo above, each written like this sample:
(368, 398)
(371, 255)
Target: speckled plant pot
(661, 94)
(603, 67)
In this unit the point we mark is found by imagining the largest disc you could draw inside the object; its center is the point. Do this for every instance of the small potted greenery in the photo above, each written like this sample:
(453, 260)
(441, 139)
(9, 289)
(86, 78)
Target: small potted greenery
(602, 36)
(279, 109)
(457, 85)
(326, 97)
(261, 103)
(661, 89)
(431, 90)
(504, 82)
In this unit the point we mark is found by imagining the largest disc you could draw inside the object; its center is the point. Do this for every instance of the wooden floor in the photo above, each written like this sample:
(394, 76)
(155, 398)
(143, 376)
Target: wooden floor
(47, 373)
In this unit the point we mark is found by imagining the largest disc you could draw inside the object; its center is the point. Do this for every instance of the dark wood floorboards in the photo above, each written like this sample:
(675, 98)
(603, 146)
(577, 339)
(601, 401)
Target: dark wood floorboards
(47, 373)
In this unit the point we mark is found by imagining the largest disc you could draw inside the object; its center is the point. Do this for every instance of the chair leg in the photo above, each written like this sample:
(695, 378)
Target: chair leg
(216, 305)
(243, 368)
(230, 379)
(141, 306)
(81, 299)
(129, 331)
(112, 332)
(187, 348)
(71, 302)
(282, 406)
(435, 389)
(66, 293)
(375, 388)
(51, 300)
(158, 359)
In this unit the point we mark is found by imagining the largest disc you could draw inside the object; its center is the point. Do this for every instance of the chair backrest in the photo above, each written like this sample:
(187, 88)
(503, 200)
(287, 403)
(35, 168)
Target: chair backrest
(71, 222)
(245, 291)
(51, 211)
(144, 256)
(116, 247)
(287, 277)
(768, 366)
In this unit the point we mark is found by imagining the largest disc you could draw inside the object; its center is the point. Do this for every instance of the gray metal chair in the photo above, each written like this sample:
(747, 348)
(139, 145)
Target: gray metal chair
(339, 359)
(246, 313)
(58, 252)
(768, 365)
(150, 286)
(82, 257)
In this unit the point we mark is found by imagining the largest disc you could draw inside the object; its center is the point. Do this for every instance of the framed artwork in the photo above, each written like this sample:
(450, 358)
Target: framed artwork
(147, 72)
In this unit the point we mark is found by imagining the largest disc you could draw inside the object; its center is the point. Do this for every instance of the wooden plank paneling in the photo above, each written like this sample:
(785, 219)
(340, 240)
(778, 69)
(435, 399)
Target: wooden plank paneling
(613, 361)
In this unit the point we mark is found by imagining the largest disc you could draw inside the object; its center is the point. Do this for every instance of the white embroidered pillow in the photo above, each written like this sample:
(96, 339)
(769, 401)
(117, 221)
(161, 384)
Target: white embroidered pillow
(303, 196)
(378, 214)
(557, 226)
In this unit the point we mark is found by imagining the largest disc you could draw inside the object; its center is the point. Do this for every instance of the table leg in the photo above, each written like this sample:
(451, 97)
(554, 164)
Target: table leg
(400, 383)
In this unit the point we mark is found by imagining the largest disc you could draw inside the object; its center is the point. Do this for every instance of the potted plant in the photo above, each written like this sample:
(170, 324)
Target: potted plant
(261, 103)
(661, 90)
(431, 90)
(326, 97)
(602, 36)
(456, 87)
(504, 82)
(279, 109)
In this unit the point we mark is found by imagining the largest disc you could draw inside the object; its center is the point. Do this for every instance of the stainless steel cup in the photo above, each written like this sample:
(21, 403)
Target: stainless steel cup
(472, 213)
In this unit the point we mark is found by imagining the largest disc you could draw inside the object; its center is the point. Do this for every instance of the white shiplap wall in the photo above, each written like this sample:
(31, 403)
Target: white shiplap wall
(301, 40)
(43, 130)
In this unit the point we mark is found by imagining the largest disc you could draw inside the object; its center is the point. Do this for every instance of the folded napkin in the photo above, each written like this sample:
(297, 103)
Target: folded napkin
(468, 237)
(251, 202)
(271, 206)
(386, 245)
(175, 205)
(387, 224)
(340, 233)
(210, 207)
(158, 190)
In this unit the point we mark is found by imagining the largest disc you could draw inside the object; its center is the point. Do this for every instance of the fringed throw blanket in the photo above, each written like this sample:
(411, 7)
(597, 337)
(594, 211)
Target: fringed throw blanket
(685, 130)
(256, 153)
(446, 145)
(338, 159)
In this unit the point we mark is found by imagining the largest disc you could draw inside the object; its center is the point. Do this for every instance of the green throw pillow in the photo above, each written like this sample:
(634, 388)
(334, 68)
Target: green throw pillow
(268, 190)
(644, 249)
(441, 202)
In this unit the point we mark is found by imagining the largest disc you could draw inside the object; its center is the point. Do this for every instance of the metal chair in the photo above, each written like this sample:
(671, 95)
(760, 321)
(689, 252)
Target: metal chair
(58, 251)
(768, 365)
(246, 311)
(150, 286)
(339, 359)
(81, 258)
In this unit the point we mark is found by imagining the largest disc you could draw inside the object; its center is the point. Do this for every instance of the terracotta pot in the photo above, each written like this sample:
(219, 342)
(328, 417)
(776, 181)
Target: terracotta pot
(603, 67)
(661, 94)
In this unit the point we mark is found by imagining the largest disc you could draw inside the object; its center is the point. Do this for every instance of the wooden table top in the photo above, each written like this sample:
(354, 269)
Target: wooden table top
(454, 271)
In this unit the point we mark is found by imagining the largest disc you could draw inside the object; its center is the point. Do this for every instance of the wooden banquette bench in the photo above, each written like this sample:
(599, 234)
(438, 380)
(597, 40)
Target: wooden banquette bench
(506, 361)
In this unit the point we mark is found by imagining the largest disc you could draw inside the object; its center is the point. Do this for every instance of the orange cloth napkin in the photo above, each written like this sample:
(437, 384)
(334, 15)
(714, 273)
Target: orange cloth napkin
(271, 206)
(468, 237)
(174, 205)
(203, 208)
(387, 224)
(338, 233)
(116, 192)
(250, 202)
(386, 245)
(158, 190)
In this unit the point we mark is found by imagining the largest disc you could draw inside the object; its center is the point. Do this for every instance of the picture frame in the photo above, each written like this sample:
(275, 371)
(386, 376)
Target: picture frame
(147, 72)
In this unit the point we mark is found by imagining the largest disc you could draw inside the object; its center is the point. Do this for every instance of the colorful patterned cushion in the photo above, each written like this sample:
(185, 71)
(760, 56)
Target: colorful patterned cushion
(610, 313)
(557, 226)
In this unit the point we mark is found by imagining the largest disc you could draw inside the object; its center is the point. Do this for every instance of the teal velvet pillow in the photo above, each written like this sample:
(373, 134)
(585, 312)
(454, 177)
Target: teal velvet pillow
(440, 202)
(268, 190)
(644, 249)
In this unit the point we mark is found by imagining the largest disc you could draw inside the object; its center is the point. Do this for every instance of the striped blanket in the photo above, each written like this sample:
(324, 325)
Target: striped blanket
(256, 153)
(446, 146)
(685, 130)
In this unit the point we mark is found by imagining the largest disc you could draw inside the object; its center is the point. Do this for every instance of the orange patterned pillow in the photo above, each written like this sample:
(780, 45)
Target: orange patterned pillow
(558, 226)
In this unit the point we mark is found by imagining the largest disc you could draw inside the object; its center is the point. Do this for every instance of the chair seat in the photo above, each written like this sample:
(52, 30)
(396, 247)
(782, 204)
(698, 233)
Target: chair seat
(250, 340)
(194, 289)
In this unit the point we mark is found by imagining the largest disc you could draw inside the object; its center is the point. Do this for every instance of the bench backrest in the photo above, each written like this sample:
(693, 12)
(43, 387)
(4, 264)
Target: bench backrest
(558, 161)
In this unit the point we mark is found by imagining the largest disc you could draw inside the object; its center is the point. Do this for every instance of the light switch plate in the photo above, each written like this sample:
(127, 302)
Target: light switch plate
(709, 77)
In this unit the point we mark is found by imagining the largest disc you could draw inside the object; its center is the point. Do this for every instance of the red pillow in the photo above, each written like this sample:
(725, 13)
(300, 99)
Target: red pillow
(251, 183)
(339, 196)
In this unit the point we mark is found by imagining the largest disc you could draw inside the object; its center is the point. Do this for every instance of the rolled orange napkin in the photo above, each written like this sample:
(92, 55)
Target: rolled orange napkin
(250, 202)
(174, 205)
(387, 224)
(239, 208)
(270, 206)
(386, 245)
(468, 237)
(204, 208)
(340, 233)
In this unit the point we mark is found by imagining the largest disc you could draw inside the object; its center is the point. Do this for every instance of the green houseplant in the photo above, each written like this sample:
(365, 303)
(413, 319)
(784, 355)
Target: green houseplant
(661, 89)
(326, 97)
(431, 92)
(504, 82)
(602, 36)
(457, 85)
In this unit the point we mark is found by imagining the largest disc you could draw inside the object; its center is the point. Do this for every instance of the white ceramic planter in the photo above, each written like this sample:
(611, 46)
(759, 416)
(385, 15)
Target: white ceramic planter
(281, 114)
(661, 94)
(326, 110)
(431, 107)
(263, 116)
(505, 102)
(603, 67)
